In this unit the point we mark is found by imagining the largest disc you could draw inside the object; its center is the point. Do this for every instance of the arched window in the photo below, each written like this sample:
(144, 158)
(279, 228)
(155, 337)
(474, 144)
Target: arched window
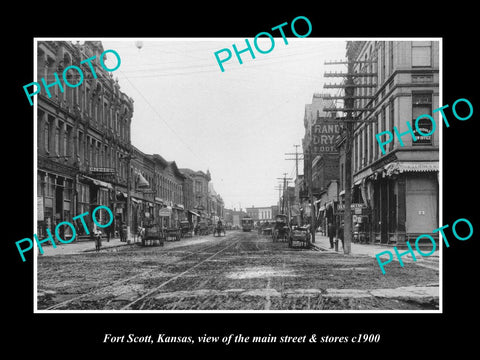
(57, 141)
(72, 77)
(46, 134)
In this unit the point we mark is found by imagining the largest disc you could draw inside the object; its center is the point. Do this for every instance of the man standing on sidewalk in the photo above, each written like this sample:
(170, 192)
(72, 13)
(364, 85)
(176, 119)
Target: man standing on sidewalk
(330, 232)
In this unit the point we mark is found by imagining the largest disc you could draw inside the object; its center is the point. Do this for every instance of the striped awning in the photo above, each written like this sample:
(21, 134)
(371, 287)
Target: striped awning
(399, 167)
(99, 182)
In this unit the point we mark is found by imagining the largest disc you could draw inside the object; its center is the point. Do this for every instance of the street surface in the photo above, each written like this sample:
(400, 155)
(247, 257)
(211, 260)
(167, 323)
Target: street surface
(239, 271)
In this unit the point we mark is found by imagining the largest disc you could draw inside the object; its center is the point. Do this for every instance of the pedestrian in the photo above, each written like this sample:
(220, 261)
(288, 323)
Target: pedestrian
(97, 234)
(123, 232)
(341, 233)
(109, 232)
(331, 233)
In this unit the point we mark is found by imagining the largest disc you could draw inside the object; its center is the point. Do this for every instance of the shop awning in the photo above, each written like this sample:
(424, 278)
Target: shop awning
(99, 182)
(410, 166)
(178, 206)
(142, 182)
(158, 200)
(193, 213)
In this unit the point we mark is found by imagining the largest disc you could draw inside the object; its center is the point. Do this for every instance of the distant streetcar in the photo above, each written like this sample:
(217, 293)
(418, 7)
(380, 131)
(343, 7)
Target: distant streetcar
(247, 223)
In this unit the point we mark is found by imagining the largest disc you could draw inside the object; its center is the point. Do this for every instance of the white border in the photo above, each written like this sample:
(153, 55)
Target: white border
(35, 282)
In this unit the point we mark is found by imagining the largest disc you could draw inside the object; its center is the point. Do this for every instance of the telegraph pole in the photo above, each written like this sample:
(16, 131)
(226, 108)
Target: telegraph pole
(310, 195)
(296, 153)
(349, 123)
(285, 180)
(279, 188)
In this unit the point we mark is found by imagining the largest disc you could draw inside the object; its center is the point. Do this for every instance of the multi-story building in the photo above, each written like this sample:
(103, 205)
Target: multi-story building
(215, 203)
(157, 190)
(201, 200)
(262, 213)
(396, 193)
(321, 155)
(83, 137)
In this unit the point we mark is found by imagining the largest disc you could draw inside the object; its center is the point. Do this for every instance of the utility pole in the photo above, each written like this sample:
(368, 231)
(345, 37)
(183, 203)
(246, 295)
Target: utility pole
(310, 195)
(349, 121)
(296, 153)
(279, 188)
(128, 211)
(285, 183)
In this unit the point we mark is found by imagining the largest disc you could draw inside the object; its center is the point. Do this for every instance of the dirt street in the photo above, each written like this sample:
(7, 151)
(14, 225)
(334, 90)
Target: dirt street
(240, 271)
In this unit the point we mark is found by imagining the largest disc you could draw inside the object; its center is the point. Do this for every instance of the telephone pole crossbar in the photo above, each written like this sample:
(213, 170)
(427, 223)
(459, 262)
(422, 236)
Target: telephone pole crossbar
(349, 86)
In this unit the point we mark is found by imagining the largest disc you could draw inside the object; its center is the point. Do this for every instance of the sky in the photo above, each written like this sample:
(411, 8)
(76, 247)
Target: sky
(238, 124)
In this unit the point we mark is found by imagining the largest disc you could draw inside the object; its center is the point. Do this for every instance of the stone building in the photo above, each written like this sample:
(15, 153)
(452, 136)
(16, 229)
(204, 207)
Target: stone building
(83, 137)
(396, 193)
(201, 200)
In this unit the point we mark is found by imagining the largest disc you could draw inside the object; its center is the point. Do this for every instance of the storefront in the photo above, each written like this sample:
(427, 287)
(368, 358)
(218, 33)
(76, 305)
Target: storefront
(165, 214)
(405, 201)
(193, 217)
(55, 202)
(91, 194)
(178, 213)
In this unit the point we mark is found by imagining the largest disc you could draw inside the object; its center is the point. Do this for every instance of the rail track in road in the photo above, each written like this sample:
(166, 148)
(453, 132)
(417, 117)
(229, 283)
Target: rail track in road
(85, 297)
(155, 289)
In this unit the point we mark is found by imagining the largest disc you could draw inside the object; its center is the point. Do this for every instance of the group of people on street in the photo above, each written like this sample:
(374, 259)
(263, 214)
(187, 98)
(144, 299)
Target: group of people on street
(110, 233)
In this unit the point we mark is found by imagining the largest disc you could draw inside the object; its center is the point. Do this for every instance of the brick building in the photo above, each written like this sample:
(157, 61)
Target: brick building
(83, 137)
(397, 192)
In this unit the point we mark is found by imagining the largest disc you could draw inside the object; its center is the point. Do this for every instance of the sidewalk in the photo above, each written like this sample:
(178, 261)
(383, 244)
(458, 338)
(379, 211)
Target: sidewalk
(78, 247)
(431, 262)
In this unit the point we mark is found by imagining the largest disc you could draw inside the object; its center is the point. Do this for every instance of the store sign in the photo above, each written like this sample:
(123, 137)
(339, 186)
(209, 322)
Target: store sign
(356, 207)
(101, 170)
(165, 212)
(324, 136)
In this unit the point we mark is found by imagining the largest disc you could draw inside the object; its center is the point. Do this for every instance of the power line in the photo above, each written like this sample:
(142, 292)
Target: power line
(164, 121)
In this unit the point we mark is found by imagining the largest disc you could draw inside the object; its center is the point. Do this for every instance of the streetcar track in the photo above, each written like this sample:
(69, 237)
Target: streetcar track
(124, 280)
(152, 291)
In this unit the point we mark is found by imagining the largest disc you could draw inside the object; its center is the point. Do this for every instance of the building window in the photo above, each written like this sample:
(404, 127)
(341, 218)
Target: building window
(384, 119)
(46, 134)
(365, 146)
(391, 121)
(370, 143)
(421, 105)
(57, 141)
(382, 49)
(360, 149)
(421, 53)
(65, 142)
(376, 130)
(390, 60)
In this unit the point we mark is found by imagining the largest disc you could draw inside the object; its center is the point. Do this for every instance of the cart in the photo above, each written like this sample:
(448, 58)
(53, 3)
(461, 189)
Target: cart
(280, 230)
(300, 234)
(218, 230)
(202, 228)
(186, 228)
(152, 236)
(173, 234)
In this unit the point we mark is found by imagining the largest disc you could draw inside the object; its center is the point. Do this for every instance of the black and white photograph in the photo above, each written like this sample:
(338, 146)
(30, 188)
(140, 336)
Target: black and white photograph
(223, 180)
(231, 179)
